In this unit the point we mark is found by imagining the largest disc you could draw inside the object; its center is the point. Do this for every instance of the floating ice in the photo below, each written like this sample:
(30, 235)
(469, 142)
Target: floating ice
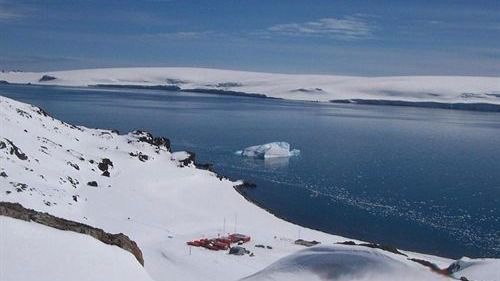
(269, 150)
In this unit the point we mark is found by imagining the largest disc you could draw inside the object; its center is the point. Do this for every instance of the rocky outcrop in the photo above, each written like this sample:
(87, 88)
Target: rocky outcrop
(13, 149)
(140, 87)
(428, 104)
(17, 211)
(104, 166)
(92, 183)
(394, 250)
(188, 160)
(147, 137)
(245, 185)
(46, 78)
(226, 93)
(191, 159)
(387, 248)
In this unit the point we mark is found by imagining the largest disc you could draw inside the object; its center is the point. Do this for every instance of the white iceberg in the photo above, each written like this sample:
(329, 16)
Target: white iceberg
(269, 150)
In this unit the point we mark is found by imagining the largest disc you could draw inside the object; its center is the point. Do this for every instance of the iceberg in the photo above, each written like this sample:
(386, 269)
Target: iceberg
(269, 150)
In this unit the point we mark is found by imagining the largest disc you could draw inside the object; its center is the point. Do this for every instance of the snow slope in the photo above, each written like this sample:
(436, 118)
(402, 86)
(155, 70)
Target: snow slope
(344, 263)
(51, 166)
(442, 89)
(477, 269)
(31, 251)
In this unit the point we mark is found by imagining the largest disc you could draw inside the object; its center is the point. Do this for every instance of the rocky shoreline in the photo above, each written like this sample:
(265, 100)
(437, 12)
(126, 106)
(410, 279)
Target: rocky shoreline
(488, 107)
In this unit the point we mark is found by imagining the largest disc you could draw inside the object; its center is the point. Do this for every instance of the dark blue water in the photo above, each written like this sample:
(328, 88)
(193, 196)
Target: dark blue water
(420, 179)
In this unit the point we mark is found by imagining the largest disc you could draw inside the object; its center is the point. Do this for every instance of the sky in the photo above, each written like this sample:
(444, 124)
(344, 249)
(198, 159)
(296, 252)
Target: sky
(357, 37)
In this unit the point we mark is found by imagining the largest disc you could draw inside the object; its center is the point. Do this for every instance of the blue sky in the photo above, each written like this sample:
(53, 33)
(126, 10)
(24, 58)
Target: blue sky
(338, 37)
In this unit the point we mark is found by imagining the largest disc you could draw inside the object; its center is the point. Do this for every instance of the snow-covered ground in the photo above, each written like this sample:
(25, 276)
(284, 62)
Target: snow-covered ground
(344, 263)
(31, 251)
(142, 191)
(442, 89)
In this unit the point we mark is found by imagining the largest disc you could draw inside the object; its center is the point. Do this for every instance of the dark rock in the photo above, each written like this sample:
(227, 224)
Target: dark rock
(75, 198)
(20, 187)
(23, 113)
(228, 84)
(74, 182)
(352, 243)
(105, 173)
(3, 174)
(73, 165)
(14, 150)
(205, 166)
(47, 78)
(306, 243)
(430, 265)
(387, 248)
(41, 111)
(188, 160)
(104, 164)
(428, 104)
(17, 211)
(308, 90)
(147, 137)
(245, 185)
(140, 156)
(454, 267)
(141, 87)
(223, 92)
(143, 157)
(92, 183)
(175, 81)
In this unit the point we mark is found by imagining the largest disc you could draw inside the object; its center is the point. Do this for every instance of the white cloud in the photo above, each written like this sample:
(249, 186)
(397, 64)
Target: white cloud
(10, 11)
(6, 15)
(349, 28)
(180, 35)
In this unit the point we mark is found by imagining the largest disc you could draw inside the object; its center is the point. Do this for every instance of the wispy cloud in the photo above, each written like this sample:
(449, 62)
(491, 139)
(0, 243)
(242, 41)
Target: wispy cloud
(348, 28)
(7, 14)
(180, 35)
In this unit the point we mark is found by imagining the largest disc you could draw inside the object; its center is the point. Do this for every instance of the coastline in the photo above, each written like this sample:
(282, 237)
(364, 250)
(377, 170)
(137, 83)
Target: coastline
(190, 186)
(443, 92)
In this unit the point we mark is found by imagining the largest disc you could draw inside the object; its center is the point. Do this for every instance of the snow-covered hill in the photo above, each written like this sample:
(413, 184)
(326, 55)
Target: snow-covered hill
(439, 89)
(133, 184)
(31, 251)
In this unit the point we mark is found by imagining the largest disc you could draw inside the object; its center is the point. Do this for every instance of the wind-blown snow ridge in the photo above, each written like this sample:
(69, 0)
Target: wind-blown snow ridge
(133, 184)
(324, 88)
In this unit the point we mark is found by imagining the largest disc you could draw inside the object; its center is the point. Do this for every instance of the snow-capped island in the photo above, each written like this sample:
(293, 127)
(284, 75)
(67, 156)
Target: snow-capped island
(92, 204)
(450, 92)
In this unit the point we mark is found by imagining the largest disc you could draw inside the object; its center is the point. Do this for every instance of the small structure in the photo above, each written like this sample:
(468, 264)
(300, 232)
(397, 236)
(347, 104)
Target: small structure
(237, 237)
(306, 243)
(221, 243)
(237, 250)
